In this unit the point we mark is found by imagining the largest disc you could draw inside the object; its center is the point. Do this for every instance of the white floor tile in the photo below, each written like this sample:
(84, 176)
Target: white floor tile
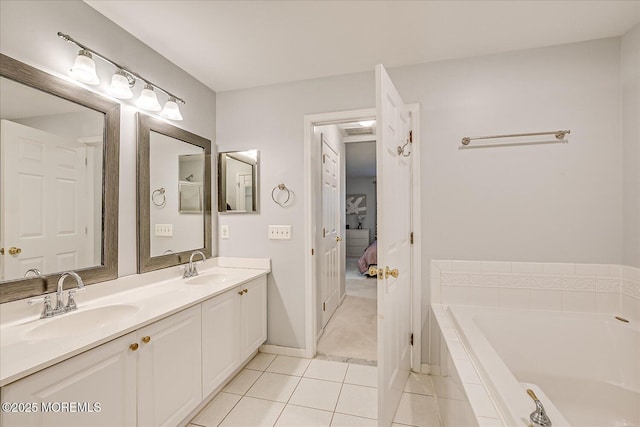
(261, 361)
(359, 401)
(275, 387)
(326, 370)
(297, 416)
(288, 365)
(417, 410)
(317, 394)
(242, 382)
(362, 375)
(419, 384)
(253, 412)
(216, 410)
(343, 420)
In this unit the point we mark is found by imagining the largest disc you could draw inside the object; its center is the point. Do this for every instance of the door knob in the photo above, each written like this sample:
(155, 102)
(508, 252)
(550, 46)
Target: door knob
(388, 272)
(13, 250)
(375, 271)
(338, 239)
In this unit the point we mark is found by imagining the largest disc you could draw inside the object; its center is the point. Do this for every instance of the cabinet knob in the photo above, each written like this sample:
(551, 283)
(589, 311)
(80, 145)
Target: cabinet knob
(134, 346)
(241, 293)
(246, 291)
(146, 339)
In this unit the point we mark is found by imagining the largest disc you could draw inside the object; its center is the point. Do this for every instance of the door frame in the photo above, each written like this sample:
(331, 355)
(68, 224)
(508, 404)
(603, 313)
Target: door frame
(311, 223)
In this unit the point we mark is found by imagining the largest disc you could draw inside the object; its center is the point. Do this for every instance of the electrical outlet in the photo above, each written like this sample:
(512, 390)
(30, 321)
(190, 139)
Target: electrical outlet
(280, 232)
(165, 230)
(224, 231)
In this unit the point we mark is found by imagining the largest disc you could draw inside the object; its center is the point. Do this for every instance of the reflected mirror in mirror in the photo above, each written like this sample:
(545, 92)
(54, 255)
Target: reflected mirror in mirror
(51, 179)
(176, 178)
(238, 181)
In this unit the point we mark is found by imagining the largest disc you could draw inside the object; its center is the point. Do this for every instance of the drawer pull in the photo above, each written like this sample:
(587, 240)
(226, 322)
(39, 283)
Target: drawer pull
(134, 346)
(146, 339)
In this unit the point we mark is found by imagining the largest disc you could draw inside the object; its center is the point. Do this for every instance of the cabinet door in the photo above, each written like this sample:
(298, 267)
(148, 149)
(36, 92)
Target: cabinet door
(169, 369)
(220, 341)
(253, 316)
(98, 385)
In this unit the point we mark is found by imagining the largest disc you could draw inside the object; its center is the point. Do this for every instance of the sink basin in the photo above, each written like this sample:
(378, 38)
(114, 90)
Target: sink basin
(209, 279)
(80, 321)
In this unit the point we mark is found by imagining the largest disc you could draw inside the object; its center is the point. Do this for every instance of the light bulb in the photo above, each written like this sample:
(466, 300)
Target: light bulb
(171, 110)
(148, 99)
(120, 87)
(84, 69)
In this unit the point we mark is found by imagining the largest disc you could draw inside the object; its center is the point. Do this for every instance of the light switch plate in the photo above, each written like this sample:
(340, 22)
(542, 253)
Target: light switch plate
(280, 232)
(165, 230)
(224, 232)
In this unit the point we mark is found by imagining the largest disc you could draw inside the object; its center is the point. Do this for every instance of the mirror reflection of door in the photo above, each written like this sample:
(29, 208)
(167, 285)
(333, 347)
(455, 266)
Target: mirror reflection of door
(238, 182)
(51, 182)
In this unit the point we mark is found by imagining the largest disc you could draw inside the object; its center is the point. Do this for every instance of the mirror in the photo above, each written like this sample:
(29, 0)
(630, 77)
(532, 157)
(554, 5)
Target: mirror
(238, 181)
(174, 194)
(59, 182)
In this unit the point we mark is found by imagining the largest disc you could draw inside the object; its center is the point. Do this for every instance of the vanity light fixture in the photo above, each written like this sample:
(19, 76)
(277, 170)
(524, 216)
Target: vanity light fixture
(366, 123)
(84, 70)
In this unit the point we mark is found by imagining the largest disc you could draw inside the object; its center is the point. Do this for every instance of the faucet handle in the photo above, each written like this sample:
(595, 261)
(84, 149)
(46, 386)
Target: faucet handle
(538, 417)
(71, 301)
(47, 310)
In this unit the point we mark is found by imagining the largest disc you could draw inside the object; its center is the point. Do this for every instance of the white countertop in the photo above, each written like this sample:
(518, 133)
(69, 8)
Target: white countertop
(150, 297)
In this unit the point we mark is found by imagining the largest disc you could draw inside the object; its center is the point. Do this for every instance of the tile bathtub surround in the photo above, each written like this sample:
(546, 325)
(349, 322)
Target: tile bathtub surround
(289, 391)
(600, 288)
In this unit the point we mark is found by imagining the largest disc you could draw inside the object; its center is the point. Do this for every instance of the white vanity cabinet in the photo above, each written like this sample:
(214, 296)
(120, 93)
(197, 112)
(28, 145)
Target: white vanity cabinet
(234, 325)
(169, 368)
(105, 375)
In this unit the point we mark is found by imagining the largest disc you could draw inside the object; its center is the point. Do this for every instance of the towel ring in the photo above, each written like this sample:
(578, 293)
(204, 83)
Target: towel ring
(158, 197)
(282, 188)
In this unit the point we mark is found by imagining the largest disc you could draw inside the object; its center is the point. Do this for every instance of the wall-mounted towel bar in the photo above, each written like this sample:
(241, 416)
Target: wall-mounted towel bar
(560, 134)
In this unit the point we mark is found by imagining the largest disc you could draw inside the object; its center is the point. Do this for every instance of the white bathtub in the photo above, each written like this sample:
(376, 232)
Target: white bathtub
(586, 365)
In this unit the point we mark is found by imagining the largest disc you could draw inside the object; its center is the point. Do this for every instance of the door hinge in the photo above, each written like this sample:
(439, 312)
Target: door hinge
(411, 339)
(410, 136)
(312, 252)
(411, 237)
(324, 158)
(324, 306)
(324, 232)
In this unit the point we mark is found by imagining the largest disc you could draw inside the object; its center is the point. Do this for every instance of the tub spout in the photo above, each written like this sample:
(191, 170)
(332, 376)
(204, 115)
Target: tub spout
(538, 417)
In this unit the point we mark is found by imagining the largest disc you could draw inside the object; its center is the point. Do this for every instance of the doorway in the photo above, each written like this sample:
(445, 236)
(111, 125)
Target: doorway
(348, 329)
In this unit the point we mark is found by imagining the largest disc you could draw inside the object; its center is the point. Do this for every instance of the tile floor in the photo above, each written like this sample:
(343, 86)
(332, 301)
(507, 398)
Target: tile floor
(289, 391)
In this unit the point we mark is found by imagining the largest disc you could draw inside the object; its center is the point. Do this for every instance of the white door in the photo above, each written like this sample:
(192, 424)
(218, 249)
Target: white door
(244, 195)
(330, 242)
(394, 247)
(43, 192)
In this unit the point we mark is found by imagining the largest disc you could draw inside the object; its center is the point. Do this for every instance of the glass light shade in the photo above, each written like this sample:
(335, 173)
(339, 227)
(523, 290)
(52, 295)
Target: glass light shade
(171, 110)
(366, 123)
(148, 99)
(84, 69)
(120, 86)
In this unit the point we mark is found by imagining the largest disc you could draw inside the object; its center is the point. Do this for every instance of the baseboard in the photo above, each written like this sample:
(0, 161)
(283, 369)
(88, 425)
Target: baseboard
(425, 368)
(284, 351)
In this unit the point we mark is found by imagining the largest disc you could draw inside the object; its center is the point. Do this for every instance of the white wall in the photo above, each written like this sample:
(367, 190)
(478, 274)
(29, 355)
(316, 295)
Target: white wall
(553, 203)
(364, 185)
(631, 144)
(28, 33)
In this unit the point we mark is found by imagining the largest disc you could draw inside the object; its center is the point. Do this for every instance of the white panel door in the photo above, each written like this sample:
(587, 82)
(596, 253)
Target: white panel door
(170, 369)
(104, 375)
(394, 247)
(44, 199)
(330, 243)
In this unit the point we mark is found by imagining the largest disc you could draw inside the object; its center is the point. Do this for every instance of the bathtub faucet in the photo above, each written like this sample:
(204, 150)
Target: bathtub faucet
(538, 417)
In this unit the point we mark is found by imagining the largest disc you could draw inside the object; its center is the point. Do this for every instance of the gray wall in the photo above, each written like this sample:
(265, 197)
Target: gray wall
(631, 144)
(28, 33)
(554, 203)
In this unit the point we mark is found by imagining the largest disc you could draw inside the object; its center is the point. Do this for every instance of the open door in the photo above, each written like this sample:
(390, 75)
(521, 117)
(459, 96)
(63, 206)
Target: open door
(394, 247)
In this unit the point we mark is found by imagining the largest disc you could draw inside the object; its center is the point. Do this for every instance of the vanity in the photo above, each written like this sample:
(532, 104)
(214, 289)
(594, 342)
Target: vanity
(142, 350)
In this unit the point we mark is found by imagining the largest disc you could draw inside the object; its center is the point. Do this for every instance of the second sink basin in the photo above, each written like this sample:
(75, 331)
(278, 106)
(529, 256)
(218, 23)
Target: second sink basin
(80, 321)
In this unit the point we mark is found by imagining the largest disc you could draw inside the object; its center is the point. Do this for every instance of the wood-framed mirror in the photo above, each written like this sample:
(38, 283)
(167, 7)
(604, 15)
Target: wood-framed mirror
(174, 194)
(59, 177)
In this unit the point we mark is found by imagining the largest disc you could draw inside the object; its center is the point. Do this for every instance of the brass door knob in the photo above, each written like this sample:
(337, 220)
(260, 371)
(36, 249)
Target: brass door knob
(134, 346)
(13, 250)
(375, 271)
(1, 251)
(388, 272)
(338, 239)
(146, 339)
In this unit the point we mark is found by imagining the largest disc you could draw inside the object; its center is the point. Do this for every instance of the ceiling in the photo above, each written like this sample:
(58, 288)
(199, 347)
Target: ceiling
(239, 44)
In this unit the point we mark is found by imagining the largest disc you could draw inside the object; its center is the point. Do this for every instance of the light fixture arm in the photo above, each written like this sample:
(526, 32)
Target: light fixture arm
(131, 76)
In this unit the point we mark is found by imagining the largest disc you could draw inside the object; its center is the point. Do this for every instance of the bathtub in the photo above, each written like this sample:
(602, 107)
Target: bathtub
(584, 367)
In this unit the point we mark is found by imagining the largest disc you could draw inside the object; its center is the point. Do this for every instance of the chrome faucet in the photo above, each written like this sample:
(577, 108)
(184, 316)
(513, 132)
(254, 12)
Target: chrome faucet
(35, 272)
(538, 417)
(190, 269)
(60, 308)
